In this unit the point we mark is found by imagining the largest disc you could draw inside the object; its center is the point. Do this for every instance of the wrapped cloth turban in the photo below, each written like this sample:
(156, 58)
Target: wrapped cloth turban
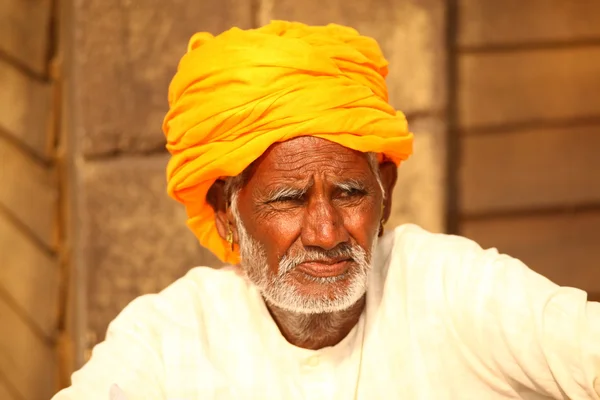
(236, 94)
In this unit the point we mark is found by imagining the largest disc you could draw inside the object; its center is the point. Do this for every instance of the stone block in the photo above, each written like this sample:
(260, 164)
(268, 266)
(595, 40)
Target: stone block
(410, 32)
(25, 32)
(133, 236)
(27, 362)
(508, 88)
(420, 193)
(26, 108)
(29, 192)
(529, 169)
(30, 277)
(125, 54)
(514, 22)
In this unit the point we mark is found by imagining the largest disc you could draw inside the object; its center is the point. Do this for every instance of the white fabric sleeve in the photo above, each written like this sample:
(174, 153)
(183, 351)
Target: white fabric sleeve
(128, 358)
(537, 335)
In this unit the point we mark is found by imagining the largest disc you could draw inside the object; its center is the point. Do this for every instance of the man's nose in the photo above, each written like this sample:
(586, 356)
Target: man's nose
(323, 225)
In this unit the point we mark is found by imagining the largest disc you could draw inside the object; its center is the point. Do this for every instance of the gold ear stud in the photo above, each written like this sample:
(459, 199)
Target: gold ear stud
(230, 236)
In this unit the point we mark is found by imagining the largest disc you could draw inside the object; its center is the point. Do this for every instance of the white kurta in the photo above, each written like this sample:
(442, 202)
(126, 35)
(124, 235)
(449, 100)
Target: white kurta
(444, 320)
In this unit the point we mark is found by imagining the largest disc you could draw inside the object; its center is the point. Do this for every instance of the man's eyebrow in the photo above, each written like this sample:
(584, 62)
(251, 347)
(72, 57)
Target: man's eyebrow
(285, 192)
(351, 184)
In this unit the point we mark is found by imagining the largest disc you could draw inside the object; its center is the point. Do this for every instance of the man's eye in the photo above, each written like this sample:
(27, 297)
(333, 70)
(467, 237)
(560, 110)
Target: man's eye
(352, 192)
(287, 199)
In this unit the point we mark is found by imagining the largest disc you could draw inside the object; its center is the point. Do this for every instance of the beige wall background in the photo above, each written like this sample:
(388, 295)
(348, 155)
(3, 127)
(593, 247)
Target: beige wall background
(33, 258)
(503, 97)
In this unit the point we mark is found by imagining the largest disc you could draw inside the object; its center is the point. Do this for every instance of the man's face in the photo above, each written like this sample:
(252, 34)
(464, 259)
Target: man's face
(307, 220)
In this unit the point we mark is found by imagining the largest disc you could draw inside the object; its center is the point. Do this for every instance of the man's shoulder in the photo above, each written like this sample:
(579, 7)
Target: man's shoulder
(182, 301)
(440, 265)
(413, 246)
(201, 282)
(411, 236)
(206, 279)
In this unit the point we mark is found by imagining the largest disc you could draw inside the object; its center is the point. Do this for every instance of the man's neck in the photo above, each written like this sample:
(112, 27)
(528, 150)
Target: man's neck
(315, 331)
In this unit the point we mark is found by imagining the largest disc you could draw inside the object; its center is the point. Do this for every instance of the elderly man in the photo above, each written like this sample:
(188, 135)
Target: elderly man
(284, 152)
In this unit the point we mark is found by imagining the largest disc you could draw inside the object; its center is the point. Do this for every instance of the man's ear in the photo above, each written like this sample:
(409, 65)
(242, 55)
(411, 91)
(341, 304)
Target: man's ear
(389, 175)
(217, 198)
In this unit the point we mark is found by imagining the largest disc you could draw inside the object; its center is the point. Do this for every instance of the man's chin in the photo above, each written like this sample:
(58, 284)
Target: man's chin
(316, 295)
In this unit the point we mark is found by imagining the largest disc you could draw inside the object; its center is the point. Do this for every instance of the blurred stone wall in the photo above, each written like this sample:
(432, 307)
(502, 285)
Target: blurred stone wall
(31, 230)
(130, 238)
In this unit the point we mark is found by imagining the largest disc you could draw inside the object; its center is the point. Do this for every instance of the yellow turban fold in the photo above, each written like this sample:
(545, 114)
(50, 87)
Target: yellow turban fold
(236, 94)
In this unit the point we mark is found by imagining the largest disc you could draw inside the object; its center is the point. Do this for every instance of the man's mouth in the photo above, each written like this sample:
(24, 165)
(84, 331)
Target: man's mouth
(325, 268)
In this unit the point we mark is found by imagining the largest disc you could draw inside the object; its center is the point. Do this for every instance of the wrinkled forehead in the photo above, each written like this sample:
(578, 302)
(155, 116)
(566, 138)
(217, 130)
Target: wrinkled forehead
(304, 156)
(297, 160)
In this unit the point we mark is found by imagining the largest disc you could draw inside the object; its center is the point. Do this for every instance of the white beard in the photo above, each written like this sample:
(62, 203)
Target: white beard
(279, 289)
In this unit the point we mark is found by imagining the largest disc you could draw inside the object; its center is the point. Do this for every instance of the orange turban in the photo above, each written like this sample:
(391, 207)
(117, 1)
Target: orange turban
(236, 94)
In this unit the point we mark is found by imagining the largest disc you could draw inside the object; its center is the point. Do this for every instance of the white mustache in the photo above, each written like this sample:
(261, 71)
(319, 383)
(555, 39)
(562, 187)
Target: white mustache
(289, 262)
